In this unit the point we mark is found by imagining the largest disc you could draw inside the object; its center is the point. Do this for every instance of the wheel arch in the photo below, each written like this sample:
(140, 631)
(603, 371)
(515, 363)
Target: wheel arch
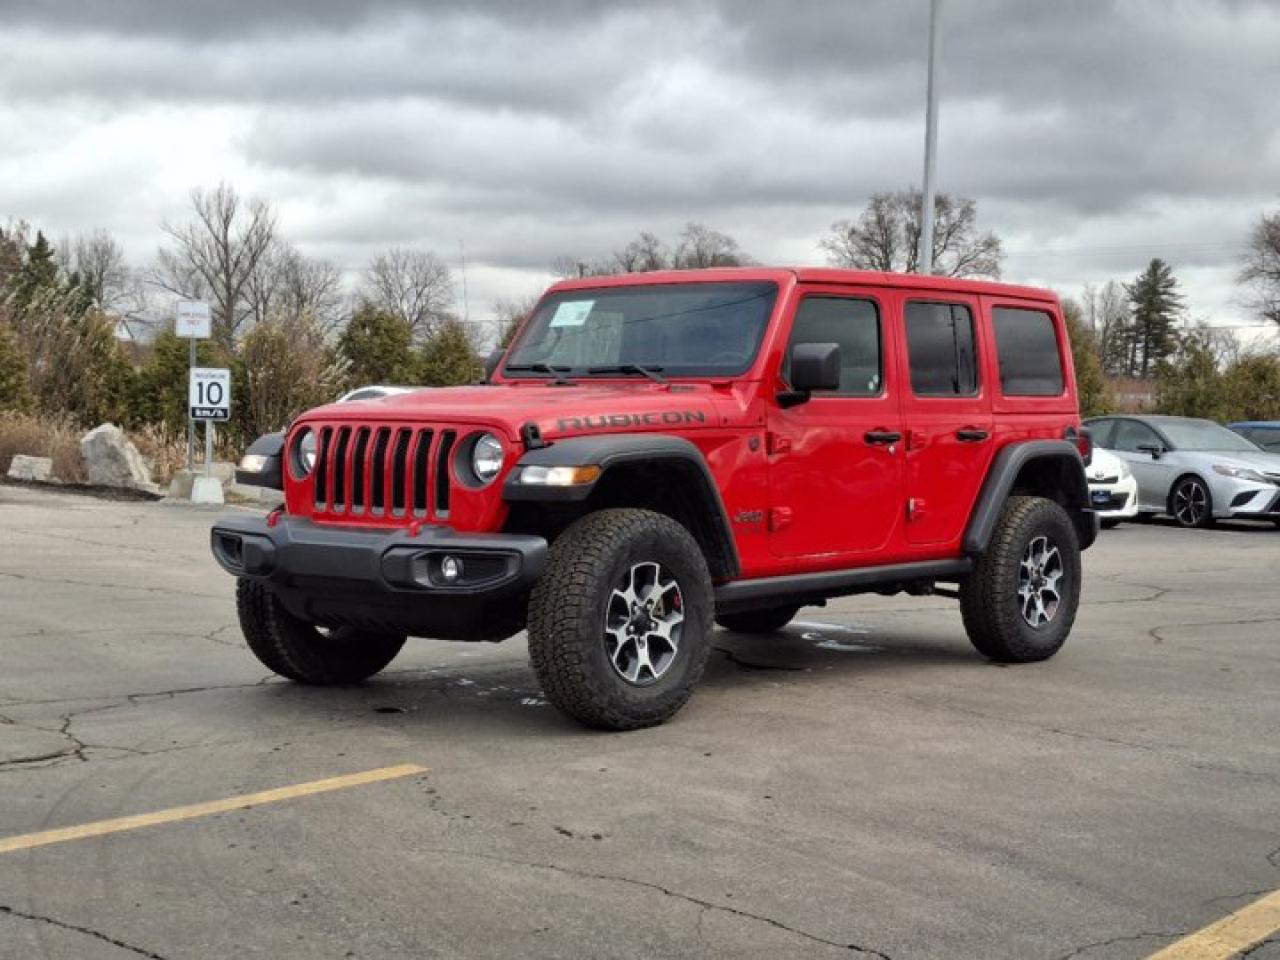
(659, 472)
(1044, 468)
(1188, 475)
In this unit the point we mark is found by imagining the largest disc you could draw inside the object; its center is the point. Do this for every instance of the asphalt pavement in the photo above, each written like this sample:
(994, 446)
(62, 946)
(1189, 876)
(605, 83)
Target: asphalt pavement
(863, 784)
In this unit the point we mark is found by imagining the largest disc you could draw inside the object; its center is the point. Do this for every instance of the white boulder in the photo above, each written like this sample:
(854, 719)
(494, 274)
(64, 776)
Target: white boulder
(111, 460)
(38, 469)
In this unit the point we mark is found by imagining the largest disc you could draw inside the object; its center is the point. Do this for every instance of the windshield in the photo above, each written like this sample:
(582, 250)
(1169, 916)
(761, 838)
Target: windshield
(681, 329)
(1204, 435)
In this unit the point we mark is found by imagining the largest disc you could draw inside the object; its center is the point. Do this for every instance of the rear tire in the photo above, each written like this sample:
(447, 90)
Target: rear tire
(1020, 601)
(298, 650)
(770, 620)
(620, 621)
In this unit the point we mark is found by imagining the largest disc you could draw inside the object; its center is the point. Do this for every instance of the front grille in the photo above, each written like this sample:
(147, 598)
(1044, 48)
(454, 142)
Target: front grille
(1105, 480)
(369, 470)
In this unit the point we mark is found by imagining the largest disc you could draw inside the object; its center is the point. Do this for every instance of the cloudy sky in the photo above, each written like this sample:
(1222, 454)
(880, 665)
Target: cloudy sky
(1094, 135)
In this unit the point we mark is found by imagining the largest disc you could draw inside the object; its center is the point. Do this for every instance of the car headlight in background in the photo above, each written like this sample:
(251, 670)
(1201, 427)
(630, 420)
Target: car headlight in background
(1239, 473)
(486, 457)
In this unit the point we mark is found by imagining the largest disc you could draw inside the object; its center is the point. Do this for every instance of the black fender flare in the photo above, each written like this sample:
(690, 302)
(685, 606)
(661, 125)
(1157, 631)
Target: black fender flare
(1002, 475)
(618, 451)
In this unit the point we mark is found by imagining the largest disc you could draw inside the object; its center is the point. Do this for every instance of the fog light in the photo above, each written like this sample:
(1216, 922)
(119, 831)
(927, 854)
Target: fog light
(450, 569)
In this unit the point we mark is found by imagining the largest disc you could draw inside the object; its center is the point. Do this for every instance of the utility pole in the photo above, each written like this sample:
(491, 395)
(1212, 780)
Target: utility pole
(924, 253)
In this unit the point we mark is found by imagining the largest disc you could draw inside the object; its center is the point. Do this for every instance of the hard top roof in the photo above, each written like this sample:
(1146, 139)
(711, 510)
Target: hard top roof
(833, 275)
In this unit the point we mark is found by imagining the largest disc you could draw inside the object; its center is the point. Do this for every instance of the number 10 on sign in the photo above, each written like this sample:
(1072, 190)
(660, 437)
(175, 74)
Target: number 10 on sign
(210, 394)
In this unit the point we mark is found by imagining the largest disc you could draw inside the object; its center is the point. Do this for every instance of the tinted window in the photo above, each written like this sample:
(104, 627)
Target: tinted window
(1028, 350)
(1266, 437)
(1205, 435)
(1101, 431)
(941, 347)
(855, 326)
(683, 329)
(1130, 435)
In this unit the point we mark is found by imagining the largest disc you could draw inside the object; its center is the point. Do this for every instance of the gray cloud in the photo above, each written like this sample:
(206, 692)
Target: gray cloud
(1103, 129)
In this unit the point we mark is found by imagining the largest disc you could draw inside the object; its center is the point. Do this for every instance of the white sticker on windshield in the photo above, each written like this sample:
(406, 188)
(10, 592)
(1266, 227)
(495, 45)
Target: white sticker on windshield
(572, 313)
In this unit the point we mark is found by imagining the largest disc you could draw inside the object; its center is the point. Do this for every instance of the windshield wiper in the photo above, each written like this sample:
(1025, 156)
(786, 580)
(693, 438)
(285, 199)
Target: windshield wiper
(650, 372)
(539, 367)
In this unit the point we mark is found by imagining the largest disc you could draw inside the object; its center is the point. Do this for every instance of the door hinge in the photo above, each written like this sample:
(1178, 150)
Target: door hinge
(775, 443)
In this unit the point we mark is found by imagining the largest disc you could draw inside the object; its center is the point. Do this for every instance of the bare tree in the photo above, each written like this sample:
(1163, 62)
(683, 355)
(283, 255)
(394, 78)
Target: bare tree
(217, 254)
(886, 237)
(1261, 270)
(413, 285)
(510, 314)
(701, 246)
(1107, 315)
(287, 285)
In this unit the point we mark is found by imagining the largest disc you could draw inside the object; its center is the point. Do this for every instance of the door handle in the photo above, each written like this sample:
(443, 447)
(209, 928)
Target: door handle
(972, 435)
(882, 436)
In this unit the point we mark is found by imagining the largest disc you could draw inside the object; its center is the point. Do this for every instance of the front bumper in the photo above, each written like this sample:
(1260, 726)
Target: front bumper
(391, 580)
(1244, 499)
(1115, 501)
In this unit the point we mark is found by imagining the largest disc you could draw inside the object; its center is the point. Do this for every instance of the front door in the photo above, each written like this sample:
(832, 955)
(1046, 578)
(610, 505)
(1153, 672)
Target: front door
(1154, 475)
(836, 460)
(946, 414)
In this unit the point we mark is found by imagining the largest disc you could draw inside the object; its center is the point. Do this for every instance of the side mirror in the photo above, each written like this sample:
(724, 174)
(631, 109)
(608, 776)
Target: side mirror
(491, 363)
(814, 366)
(1152, 448)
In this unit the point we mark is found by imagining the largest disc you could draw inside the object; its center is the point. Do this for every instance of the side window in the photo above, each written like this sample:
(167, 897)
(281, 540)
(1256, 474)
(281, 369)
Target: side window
(1102, 432)
(1268, 438)
(940, 345)
(1130, 435)
(855, 325)
(1030, 365)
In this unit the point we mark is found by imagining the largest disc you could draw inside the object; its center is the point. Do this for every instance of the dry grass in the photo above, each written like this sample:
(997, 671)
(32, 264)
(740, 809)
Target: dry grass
(42, 437)
(166, 451)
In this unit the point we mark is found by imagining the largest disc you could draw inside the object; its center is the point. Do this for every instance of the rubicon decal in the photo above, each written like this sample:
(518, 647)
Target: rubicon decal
(608, 421)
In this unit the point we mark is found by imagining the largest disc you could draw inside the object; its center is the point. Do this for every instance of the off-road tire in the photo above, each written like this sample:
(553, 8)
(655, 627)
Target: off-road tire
(1185, 485)
(758, 621)
(569, 605)
(298, 650)
(989, 601)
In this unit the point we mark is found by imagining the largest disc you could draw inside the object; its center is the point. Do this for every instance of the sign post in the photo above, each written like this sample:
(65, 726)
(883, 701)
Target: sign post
(208, 401)
(194, 323)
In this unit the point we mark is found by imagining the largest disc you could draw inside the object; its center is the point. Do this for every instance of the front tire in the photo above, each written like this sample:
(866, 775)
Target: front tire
(298, 650)
(619, 623)
(758, 621)
(1020, 601)
(1191, 503)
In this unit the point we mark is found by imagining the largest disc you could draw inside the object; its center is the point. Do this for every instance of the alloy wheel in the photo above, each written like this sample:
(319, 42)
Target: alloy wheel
(1040, 574)
(1190, 503)
(643, 624)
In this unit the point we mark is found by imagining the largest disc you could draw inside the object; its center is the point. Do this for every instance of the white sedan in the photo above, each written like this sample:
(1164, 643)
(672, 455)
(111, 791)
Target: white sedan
(1113, 492)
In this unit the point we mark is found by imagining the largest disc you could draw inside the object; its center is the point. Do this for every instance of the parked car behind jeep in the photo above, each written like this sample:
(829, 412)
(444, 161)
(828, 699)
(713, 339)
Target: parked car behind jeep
(658, 452)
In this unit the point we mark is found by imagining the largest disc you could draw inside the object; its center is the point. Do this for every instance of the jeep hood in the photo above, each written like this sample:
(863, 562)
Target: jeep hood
(557, 411)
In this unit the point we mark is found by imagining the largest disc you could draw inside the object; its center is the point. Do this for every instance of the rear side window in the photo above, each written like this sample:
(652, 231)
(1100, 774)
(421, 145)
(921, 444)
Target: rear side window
(941, 348)
(1030, 365)
(852, 323)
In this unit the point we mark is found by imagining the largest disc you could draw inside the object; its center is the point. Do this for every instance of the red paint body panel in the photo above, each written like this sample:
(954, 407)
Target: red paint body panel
(803, 488)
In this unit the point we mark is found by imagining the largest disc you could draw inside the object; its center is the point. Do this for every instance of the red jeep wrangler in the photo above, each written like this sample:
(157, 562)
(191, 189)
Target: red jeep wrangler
(659, 451)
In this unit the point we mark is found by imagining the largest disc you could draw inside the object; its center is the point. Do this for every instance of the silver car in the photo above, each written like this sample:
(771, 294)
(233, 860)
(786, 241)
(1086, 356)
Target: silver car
(1194, 470)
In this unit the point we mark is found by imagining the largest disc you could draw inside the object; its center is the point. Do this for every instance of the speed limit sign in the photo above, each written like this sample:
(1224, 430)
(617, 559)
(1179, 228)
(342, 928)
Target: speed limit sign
(210, 394)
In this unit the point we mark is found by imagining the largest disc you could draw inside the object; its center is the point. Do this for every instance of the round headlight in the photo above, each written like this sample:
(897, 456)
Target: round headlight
(486, 457)
(304, 448)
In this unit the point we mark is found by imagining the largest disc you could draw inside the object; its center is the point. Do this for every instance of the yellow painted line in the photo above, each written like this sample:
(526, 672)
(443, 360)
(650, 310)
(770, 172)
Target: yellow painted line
(28, 841)
(1233, 933)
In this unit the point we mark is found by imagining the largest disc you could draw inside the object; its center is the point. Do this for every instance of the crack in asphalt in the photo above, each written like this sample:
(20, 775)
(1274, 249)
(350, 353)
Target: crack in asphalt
(88, 931)
(668, 892)
(1130, 938)
(110, 586)
(1250, 951)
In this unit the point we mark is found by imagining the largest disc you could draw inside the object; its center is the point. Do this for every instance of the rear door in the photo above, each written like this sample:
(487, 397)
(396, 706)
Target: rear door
(946, 414)
(835, 462)
(1154, 475)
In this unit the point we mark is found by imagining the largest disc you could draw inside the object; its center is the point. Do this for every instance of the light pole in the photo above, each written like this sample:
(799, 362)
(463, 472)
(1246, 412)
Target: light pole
(924, 253)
